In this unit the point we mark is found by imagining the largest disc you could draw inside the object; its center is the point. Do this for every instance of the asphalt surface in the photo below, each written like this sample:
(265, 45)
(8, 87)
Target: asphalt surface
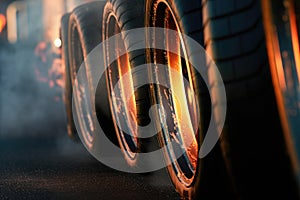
(58, 168)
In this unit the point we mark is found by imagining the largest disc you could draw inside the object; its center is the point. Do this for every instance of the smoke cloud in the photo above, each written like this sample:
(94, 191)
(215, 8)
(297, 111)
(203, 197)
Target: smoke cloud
(28, 106)
(30, 102)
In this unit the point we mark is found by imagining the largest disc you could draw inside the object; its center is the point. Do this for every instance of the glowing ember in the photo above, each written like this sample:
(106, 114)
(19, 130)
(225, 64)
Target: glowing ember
(49, 68)
(56, 73)
(2, 22)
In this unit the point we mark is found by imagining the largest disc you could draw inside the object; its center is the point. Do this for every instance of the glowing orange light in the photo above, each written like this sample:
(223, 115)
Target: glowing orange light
(2, 22)
(183, 118)
(279, 64)
(295, 39)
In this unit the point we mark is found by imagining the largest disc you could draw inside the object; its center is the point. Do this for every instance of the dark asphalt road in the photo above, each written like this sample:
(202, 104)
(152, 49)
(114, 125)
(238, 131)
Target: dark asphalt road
(57, 168)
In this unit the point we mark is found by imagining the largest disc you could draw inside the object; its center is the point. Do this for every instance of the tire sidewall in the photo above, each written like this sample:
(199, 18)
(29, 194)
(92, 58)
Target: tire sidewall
(191, 191)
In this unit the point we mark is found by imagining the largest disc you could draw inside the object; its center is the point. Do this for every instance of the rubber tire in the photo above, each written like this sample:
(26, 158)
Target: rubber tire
(211, 174)
(68, 90)
(252, 141)
(131, 17)
(85, 20)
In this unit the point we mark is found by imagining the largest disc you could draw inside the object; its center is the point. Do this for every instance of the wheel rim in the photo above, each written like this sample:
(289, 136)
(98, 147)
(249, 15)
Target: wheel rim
(179, 117)
(81, 96)
(282, 28)
(124, 112)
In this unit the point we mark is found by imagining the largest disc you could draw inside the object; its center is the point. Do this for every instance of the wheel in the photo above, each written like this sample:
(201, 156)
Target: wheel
(127, 114)
(84, 35)
(68, 83)
(252, 142)
(193, 178)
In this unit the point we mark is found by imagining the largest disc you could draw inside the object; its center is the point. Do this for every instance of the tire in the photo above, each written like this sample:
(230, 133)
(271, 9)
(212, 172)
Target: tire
(120, 16)
(252, 141)
(209, 174)
(68, 83)
(84, 36)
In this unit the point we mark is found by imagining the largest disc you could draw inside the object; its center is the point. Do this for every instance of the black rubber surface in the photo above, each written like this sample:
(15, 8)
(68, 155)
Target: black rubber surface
(252, 141)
